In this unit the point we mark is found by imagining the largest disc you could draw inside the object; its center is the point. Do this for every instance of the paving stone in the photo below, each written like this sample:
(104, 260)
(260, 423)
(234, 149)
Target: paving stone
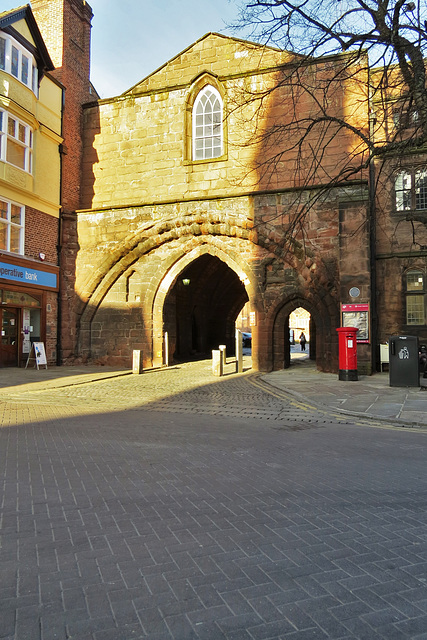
(128, 515)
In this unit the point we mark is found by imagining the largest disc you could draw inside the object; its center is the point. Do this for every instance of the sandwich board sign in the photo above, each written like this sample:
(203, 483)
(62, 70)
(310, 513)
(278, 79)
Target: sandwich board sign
(37, 348)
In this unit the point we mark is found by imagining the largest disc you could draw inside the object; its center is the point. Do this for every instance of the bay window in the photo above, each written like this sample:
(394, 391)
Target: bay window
(20, 63)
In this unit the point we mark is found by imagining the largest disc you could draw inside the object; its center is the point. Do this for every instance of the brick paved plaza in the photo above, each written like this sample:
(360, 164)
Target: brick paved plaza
(173, 505)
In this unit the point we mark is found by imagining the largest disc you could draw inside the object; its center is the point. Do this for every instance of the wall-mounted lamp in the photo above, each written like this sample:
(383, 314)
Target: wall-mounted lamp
(186, 282)
(42, 256)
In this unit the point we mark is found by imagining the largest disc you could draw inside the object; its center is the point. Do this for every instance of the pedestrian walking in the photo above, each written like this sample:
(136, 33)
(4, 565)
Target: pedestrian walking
(302, 340)
(423, 360)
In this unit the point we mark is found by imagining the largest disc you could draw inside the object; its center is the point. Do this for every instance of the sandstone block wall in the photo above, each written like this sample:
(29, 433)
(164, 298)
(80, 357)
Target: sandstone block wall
(136, 148)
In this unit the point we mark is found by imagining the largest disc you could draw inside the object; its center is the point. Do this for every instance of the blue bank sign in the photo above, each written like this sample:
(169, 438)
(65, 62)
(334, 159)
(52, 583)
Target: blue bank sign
(28, 276)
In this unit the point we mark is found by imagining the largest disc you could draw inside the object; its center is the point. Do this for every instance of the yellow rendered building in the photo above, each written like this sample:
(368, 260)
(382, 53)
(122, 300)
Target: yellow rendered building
(30, 178)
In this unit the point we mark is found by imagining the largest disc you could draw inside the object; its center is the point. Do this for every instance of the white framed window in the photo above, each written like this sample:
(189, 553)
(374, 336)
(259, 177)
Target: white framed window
(416, 297)
(18, 61)
(207, 124)
(12, 224)
(411, 190)
(16, 141)
(420, 187)
(403, 187)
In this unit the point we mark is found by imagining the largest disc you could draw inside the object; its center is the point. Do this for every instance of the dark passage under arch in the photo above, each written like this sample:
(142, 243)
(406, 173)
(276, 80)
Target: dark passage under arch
(201, 308)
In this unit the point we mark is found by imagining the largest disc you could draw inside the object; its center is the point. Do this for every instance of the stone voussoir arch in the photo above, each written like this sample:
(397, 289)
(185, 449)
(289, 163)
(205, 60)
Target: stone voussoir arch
(149, 238)
(152, 235)
(104, 284)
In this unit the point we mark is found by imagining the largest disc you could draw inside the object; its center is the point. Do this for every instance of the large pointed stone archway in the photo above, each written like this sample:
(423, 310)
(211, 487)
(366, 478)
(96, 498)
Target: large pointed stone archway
(212, 303)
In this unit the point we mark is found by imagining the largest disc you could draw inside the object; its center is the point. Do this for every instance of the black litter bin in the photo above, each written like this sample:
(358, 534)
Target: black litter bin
(403, 367)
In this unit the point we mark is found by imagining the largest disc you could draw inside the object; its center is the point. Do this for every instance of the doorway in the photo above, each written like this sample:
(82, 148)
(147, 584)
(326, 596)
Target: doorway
(9, 337)
(299, 334)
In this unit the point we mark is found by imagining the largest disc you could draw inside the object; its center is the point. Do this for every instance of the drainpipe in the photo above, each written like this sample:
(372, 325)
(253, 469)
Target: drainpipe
(59, 247)
(372, 240)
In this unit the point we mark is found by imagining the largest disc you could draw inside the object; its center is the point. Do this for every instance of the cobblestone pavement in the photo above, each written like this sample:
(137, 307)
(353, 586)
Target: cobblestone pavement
(174, 506)
(188, 388)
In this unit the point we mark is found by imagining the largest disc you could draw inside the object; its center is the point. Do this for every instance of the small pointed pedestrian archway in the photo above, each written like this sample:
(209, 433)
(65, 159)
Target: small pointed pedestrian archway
(287, 322)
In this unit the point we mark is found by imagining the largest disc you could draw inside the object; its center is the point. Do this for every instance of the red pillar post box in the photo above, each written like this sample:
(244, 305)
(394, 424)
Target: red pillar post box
(347, 350)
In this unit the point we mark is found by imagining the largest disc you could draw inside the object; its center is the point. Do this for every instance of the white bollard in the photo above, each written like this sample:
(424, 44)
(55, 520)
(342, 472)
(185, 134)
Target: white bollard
(166, 348)
(223, 350)
(217, 365)
(137, 361)
(239, 351)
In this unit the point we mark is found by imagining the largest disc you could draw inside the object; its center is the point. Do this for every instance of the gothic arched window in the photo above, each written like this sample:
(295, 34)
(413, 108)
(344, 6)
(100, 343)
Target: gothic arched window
(207, 125)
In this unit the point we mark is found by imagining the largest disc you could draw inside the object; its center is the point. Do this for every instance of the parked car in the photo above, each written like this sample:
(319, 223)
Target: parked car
(247, 339)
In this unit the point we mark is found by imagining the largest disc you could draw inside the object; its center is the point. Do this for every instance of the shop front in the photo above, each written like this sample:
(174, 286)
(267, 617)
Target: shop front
(28, 309)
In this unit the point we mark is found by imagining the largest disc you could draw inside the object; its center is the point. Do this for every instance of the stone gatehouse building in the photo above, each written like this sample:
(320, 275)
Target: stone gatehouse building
(187, 211)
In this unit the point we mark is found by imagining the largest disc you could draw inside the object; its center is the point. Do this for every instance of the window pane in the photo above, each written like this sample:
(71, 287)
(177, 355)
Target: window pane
(3, 209)
(403, 191)
(25, 66)
(3, 236)
(15, 154)
(15, 239)
(23, 299)
(421, 190)
(11, 126)
(15, 61)
(415, 281)
(15, 212)
(415, 309)
(2, 54)
(21, 132)
(35, 79)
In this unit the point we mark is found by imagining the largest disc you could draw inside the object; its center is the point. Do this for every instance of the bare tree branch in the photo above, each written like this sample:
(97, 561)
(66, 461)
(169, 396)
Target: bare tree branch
(373, 51)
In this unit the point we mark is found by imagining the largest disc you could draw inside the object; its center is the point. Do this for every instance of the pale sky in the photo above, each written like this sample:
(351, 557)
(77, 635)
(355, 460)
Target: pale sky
(133, 38)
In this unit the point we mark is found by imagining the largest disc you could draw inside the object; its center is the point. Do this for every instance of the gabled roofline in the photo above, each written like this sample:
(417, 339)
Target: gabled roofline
(255, 45)
(7, 18)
